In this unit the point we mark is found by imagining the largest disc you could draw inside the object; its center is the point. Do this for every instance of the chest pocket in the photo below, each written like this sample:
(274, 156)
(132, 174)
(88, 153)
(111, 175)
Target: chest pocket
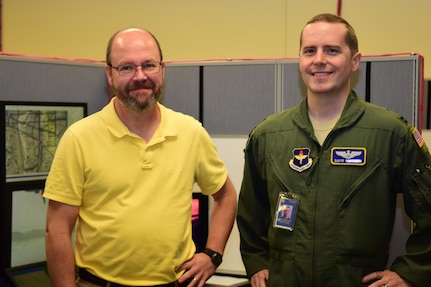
(278, 175)
(366, 173)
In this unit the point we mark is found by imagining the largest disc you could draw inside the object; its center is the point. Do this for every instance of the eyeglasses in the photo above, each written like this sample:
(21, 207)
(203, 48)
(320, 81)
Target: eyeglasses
(130, 69)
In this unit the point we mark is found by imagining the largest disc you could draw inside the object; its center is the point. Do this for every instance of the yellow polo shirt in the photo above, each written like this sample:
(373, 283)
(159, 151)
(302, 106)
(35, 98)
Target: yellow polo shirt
(134, 225)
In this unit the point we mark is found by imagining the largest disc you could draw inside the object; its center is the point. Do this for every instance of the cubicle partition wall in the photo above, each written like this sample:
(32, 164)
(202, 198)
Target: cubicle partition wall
(229, 97)
(51, 80)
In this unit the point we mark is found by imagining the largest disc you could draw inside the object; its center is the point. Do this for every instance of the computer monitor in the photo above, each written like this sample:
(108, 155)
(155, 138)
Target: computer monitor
(29, 275)
(199, 220)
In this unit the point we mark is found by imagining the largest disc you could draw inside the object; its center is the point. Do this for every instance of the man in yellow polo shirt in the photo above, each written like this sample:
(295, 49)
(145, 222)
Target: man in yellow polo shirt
(125, 175)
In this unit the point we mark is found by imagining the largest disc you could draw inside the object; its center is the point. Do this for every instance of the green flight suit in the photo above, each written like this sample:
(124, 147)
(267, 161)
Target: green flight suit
(347, 191)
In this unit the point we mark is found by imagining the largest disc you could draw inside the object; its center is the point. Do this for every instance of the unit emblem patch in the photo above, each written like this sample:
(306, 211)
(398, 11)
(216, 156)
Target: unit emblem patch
(348, 156)
(301, 159)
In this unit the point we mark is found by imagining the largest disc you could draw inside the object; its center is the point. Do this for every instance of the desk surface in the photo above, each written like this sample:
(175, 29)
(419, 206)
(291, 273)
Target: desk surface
(226, 281)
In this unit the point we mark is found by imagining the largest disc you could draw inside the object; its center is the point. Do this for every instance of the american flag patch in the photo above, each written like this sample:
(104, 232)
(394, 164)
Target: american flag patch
(418, 137)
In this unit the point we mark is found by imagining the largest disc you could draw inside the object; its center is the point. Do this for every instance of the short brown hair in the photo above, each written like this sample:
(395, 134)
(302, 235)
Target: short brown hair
(351, 39)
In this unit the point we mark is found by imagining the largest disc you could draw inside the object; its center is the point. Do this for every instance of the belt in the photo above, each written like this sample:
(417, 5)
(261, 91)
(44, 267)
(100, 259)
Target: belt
(87, 276)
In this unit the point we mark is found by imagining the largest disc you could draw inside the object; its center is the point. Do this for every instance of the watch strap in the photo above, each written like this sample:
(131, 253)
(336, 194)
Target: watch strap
(216, 257)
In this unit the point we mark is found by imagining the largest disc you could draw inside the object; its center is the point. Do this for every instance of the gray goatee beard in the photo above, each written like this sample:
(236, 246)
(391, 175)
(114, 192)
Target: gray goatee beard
(133, 105)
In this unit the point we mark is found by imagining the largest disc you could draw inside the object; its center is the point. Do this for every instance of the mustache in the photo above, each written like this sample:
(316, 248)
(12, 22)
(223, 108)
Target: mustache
(141, 85)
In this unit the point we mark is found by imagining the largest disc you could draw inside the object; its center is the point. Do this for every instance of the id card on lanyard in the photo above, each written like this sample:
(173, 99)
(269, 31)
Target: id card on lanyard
(287, 208)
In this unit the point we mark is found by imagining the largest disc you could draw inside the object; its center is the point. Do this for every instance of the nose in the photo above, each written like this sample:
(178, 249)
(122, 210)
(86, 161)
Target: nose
(140, 73)
(319, 58)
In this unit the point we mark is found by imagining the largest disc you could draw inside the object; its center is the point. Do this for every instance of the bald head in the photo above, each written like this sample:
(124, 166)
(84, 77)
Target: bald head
(125, 36)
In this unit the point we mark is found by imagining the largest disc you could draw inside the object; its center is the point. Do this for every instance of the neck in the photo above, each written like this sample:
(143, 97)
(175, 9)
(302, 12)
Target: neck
(144, 124)
(326, 107)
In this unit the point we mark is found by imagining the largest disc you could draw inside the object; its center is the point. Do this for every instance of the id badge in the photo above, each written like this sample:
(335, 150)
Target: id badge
(287, 209)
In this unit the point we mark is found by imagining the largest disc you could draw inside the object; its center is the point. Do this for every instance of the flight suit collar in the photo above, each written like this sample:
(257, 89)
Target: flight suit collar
(353, 109)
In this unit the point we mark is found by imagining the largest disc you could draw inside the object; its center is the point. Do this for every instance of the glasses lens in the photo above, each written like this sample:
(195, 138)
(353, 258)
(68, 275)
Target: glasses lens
(126, 70)
(130, 69)
(151, 67)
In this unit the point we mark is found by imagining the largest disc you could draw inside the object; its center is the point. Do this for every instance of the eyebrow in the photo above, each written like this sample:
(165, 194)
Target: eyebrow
(324, 46)
(122, 63)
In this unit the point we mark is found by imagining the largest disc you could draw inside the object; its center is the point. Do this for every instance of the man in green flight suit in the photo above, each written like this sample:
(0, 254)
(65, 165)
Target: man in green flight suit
(339, 163)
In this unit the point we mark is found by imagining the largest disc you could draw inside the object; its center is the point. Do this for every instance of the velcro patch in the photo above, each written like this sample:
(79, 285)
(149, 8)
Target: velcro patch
(348, 156)
(418, 137)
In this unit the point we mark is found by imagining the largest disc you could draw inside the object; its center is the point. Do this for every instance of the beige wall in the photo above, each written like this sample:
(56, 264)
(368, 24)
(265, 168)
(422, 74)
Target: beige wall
(199, 29)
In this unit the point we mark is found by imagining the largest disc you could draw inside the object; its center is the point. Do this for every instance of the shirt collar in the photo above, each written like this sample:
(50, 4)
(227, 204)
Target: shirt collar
(168, 127)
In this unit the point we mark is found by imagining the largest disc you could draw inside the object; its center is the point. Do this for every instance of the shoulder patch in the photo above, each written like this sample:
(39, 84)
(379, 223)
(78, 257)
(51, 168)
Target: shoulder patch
(418, 137)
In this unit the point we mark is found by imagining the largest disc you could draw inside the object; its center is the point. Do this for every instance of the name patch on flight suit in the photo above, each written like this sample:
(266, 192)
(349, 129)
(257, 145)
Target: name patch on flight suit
(348, 156)
(301, 159)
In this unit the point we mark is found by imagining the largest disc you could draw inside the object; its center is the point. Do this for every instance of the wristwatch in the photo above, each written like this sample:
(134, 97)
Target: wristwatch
(216, 257)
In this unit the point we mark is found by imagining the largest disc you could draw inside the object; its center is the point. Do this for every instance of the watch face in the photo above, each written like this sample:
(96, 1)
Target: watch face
(216, 257)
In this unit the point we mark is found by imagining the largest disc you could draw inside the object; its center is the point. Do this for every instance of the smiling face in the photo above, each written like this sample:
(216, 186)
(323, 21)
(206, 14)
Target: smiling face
(139, 91)
(325, 59)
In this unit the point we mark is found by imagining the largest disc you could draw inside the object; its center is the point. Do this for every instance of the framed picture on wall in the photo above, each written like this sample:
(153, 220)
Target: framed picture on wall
(30, 132)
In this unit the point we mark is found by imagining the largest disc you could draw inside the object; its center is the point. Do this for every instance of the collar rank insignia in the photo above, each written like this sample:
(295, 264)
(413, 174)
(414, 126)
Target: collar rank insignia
(348, 156)
(301, 159)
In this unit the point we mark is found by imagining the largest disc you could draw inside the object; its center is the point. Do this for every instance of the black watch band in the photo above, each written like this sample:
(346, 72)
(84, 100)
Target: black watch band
(216, 257)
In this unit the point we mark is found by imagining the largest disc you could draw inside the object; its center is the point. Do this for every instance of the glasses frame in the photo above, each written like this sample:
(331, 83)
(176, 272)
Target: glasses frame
(134, 71)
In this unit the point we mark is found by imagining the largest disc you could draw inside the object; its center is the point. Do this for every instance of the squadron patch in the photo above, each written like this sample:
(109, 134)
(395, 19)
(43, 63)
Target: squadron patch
(348, 156)
(301, 159)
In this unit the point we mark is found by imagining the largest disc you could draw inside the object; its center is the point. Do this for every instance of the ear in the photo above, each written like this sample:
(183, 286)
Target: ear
(356, 60)
(163, 64)
(108, 72)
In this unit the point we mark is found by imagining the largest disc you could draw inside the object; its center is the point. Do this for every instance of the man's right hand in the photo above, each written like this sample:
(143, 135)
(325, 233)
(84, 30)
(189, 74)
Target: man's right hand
(259, 278)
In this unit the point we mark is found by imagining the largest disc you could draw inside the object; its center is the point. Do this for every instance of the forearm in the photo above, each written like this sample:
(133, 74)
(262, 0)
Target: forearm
(60, 259)
(222, 217)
